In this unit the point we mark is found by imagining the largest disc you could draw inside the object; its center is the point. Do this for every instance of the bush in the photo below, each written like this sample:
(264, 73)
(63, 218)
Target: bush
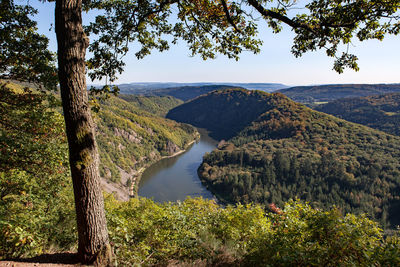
(199, 231)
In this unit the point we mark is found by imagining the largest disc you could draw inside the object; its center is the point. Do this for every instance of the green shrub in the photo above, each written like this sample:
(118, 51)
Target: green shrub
(36, 203)
(199, 231)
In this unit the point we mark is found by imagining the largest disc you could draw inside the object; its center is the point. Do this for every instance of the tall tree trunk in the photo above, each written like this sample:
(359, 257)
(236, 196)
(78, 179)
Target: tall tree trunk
(93, 246)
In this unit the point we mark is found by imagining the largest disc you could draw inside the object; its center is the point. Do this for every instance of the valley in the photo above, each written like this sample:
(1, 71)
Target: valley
(269, 150)
(272, 150)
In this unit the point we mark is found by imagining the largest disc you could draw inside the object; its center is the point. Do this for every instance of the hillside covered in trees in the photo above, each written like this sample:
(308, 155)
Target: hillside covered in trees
(224, 119)
(186, 93)
(158, 105)
(380, 112)
(284, 150)
(329, 92)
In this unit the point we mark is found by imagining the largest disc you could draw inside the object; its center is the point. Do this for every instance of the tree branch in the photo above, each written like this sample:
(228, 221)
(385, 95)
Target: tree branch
(228, 16)
(271, 14)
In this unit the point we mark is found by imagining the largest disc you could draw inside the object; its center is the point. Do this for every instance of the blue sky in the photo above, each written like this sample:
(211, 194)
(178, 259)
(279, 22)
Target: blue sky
(379, 61)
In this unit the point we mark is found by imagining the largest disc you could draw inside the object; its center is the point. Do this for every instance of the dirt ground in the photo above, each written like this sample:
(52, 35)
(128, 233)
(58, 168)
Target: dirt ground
(46, 260)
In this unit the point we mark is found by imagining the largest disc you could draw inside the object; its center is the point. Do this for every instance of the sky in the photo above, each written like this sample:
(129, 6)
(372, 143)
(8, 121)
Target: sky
(379, 62)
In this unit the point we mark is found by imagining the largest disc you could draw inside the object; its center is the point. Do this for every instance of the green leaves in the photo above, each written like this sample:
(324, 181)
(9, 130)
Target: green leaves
(30, 132)
(198, 231)
(36, 204)
(23, 52)
(155, 25)
(333, 24)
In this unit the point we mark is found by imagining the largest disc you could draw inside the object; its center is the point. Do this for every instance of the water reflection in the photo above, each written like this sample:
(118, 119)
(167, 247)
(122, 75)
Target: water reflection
(173, 179)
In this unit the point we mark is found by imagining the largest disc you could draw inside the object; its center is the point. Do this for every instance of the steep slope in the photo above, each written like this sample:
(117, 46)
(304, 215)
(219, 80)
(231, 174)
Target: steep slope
(329, 92)
(224, 113)
(131, 139)
(381, 112)
(291, 151)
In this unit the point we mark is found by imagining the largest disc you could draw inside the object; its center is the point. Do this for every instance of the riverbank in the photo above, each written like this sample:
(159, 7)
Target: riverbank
(175, 179)
(136, 179)
(124, 190)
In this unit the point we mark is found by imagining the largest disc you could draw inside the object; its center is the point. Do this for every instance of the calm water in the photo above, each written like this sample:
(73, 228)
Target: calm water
(173, 179)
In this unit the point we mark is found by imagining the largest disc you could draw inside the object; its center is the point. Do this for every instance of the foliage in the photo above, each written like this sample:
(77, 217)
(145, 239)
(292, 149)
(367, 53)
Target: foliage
(380, 112)
(332, 25)
(36, 203)
(229, 27)
(285, 150)
(198, 232)
(224, 119)
(23, 52)
(26, 129)
(202, 24)
(302, 236)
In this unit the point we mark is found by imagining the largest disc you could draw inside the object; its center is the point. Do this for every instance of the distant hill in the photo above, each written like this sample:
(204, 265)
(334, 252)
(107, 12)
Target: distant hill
(224, 119)
(282, 150)
(266, 87)
(330, 92)
(158, 105)
(186, 93)
(148, 87)
(381, 112)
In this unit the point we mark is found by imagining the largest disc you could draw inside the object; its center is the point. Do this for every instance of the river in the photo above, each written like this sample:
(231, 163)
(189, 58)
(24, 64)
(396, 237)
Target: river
(175, 178)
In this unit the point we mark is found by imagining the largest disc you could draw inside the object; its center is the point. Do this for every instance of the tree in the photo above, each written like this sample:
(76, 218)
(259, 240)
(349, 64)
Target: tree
(209, 27)
(124, 21)
(23, 52)
(93, 242)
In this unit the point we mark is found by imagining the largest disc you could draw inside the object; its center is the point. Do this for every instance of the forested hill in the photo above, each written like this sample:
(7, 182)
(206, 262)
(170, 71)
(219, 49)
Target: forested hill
(380, 111)
(289, 151)
(224, 113)
(158, 105)
(326, 93)
(186, 93)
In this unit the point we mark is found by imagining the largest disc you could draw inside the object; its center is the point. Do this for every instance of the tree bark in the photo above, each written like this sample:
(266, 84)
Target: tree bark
(93, 242)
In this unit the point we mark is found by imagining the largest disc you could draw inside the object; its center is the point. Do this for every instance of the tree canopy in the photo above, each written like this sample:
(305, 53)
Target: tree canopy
(24, 55)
